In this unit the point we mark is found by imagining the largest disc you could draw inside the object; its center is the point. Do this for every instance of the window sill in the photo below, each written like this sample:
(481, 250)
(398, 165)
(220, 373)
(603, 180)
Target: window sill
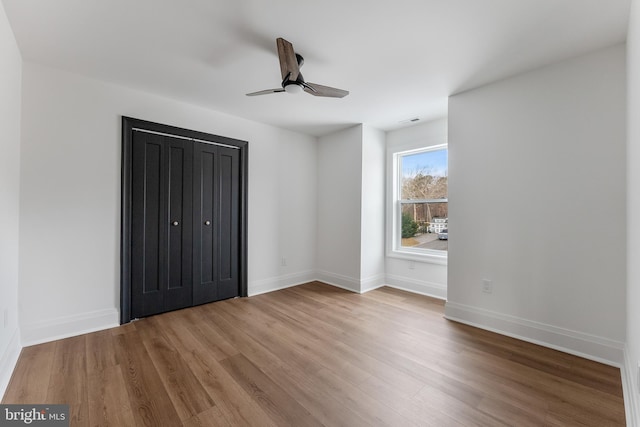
(431, 258)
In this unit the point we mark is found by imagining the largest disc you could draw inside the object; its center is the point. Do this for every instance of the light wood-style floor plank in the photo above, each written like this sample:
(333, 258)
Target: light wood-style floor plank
(150, 402)
(30, 380)
(314, 355)
(69, 378)
(108, 404)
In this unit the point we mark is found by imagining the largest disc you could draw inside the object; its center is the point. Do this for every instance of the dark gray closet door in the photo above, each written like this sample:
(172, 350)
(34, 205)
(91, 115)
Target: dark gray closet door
(216, 219)
(161, 224)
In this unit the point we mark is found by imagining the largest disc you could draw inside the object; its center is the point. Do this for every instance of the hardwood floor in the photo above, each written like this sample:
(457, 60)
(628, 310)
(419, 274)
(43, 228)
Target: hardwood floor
(314, 355)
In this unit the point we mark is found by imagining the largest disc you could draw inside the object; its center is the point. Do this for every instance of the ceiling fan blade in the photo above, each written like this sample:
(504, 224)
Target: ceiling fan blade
(319, 90)
(288, 61)
(265, 92)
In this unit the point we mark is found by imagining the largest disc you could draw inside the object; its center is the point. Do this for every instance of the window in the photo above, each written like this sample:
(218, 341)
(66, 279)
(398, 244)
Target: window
(420, 203)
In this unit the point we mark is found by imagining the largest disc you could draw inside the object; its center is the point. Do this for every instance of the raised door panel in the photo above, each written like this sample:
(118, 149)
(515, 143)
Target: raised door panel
(180, 227)
(227, 224)
(204, 244)
(147, 218)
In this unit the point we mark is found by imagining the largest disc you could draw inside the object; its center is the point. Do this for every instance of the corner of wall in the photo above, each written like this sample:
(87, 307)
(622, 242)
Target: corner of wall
(421, 287)
(8, 361)
(629, 390)
(630, 369)
(373, 282)
(338, 280)
(11, 70)
(258, 287)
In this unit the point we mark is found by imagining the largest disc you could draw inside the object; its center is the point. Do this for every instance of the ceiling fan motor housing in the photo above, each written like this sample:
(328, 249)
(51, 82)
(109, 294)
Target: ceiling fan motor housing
(294, 86)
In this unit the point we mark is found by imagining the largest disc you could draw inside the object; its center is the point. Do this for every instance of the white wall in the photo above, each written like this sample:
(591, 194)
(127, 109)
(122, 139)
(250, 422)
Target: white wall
(537, 165)
(339, 207)
(351, 203)
(632, 354)
(296, 213)
(422, 277)
(70, 197)
(372, 268)
(10, 83)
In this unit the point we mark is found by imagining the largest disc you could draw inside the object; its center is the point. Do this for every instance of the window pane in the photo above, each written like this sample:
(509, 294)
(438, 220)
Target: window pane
(424, 175)
(425, 226)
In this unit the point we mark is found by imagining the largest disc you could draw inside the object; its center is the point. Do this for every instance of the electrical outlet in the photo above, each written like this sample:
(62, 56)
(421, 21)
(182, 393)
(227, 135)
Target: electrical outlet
(487, 286)
(412, 265)
(283, 262)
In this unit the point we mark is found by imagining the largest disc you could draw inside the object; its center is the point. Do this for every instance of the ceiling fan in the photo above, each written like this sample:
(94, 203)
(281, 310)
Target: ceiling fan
(292, 80)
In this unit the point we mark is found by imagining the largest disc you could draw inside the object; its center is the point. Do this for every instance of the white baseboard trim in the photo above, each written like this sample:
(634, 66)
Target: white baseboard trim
(349, 283)
(258, 287)
(629, 372)
(69, 326)
(339, 281)
(421, 287)
(590, 347)
(371, 283)
(8, 361)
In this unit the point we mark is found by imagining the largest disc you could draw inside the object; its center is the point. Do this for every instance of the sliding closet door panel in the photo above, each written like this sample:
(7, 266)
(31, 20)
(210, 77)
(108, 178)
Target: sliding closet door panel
(179, 250)
(227, 225)
(148, 218)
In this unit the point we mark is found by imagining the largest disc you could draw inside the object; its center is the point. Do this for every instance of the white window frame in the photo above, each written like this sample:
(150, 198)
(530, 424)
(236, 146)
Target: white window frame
(394, 216)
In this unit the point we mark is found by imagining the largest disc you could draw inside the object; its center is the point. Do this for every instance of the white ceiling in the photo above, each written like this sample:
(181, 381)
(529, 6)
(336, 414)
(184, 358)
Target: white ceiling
(399, 59)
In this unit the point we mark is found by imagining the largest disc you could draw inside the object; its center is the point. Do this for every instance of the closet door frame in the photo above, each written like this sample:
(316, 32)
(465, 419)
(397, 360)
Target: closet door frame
(130, 124)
